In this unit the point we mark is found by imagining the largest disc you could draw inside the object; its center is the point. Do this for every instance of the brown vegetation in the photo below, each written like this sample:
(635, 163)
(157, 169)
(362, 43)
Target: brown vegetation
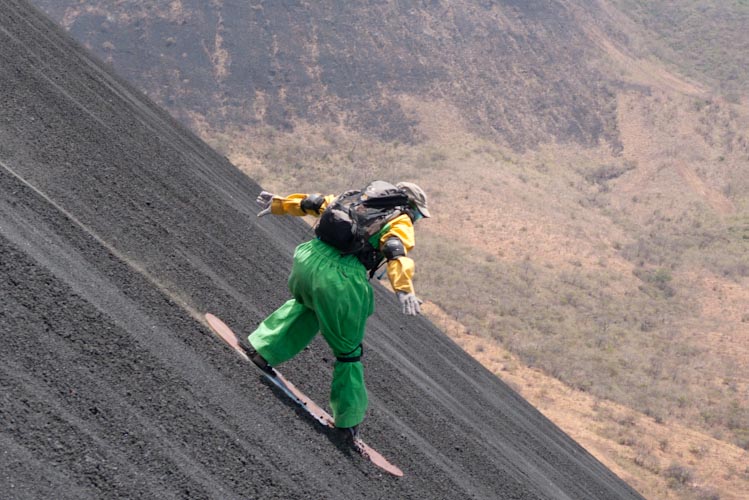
(657, 455)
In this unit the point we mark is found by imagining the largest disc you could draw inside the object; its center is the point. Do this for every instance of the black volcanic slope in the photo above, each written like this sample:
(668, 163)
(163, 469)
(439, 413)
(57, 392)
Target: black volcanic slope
(523, 71)
(118, 229)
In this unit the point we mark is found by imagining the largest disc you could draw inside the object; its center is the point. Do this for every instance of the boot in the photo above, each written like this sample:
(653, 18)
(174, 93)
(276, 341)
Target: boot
(351, 437)
(256, 358)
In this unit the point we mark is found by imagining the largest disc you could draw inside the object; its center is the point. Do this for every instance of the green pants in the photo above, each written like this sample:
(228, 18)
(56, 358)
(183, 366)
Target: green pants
(331, 295)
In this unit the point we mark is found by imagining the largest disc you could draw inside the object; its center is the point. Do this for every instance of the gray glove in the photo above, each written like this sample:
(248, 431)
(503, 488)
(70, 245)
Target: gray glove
(264, 200)
(411, 303)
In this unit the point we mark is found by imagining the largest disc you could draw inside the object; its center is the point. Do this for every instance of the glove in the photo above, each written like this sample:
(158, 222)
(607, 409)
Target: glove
(264, 200)
(411, 303)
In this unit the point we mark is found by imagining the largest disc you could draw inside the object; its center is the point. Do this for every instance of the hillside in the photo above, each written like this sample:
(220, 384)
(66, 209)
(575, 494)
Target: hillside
(588, 163)
(280, 63)
(706, 40)
(118, 229)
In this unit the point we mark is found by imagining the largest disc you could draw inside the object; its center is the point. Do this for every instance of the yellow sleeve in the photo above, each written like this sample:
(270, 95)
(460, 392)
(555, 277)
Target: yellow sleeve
(401, 270)
(290, 205)
(403, 229)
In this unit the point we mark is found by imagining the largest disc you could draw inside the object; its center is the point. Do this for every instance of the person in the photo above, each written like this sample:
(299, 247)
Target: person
(331, 293)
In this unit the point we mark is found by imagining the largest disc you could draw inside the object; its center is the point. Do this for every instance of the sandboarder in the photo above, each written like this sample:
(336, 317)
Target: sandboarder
(330, 289)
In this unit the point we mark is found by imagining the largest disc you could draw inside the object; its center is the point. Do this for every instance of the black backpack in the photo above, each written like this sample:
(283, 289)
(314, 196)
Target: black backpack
(354, 217)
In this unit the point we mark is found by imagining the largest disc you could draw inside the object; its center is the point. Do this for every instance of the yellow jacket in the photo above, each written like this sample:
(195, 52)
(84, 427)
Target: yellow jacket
(400, 271)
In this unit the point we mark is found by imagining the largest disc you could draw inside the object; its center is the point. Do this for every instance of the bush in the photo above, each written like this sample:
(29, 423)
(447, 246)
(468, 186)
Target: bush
(604, 173)
(705, 494)
(741, 439)
(678, 475)
(648, 461)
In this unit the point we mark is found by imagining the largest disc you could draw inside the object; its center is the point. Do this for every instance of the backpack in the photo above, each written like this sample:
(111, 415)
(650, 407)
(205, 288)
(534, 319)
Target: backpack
(354, 217)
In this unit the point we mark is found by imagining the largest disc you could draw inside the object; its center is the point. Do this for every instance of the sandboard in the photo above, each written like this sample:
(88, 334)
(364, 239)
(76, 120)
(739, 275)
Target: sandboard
(313, 409)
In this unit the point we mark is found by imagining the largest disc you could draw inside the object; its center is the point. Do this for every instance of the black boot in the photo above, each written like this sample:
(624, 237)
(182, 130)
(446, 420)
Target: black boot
(256, 358)
(351, 436)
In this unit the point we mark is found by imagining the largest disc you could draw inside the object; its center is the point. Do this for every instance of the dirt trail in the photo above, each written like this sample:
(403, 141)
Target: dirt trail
(118, 229)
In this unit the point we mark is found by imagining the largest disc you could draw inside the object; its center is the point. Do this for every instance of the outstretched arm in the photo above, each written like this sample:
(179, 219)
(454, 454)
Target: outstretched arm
(395, 244)
(298, 204)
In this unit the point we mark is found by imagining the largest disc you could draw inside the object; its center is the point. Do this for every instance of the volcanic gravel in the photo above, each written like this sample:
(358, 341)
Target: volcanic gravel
(119, 229)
